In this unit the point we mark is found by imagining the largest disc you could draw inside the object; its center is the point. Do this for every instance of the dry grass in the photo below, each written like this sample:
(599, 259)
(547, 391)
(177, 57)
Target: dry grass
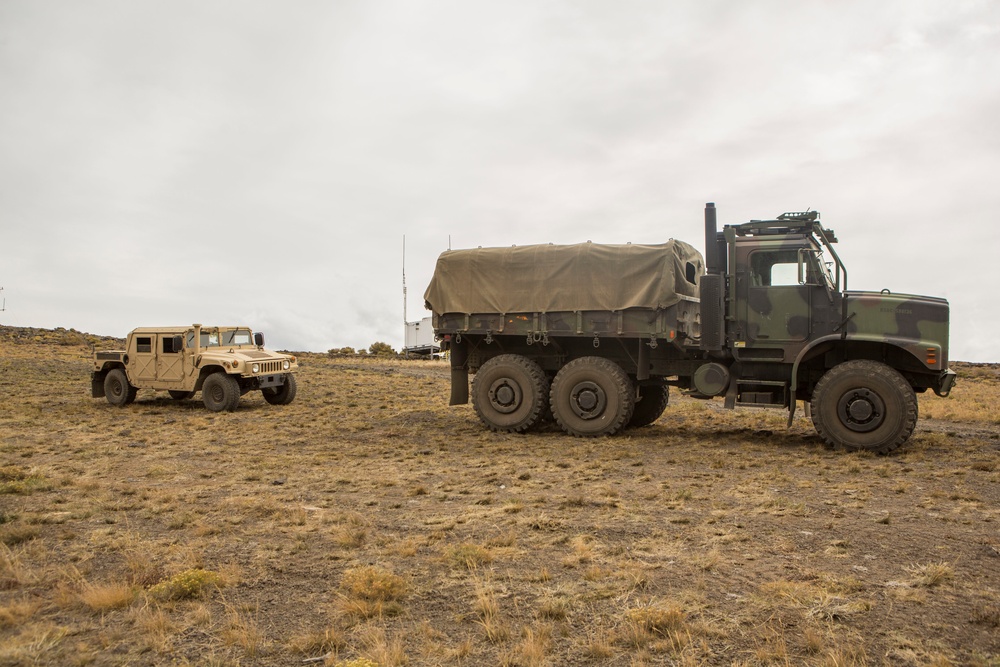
(369, 524)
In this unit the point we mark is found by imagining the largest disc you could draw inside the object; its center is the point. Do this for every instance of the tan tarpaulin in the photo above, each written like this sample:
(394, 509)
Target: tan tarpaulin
(551, 278)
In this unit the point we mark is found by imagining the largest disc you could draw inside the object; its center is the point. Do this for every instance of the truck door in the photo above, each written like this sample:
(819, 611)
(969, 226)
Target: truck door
(170, 363)
(144, 354)
(777, 303)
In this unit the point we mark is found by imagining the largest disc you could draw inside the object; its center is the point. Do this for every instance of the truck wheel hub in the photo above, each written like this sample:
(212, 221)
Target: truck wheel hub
(588, 400)
(861, 410)
(505, 397)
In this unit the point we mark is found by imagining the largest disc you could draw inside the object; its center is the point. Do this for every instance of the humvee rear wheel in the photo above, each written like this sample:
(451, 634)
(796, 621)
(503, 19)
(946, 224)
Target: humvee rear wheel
(510, 393)
(220, 392)
(180, 395)
(650, 405)
(282, 395)
(592, 396)
(864, 404)
(117, 389)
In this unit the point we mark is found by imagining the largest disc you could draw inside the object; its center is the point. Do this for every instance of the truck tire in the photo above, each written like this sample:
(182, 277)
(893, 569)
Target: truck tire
(178, 395)
(282, 395)
(592, 396)
(652, 401)
(864, 404)
(117, 388)
(220, 392)
(510, 393)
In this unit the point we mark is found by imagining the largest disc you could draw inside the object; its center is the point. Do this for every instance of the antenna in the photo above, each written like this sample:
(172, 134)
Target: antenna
(3, 307)
(404, 279)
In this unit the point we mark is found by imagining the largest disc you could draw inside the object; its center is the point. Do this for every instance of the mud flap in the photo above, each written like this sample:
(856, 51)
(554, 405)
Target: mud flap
(97, 385)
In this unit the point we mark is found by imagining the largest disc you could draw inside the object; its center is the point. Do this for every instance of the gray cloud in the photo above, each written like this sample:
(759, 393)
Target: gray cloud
(245, 161)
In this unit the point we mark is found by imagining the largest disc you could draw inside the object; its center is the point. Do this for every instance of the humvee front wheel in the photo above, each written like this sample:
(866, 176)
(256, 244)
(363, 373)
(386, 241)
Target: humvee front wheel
(282, 395)
(510, 393)
(220, 392)
(864, 404)
(592, 396)
(117, 389)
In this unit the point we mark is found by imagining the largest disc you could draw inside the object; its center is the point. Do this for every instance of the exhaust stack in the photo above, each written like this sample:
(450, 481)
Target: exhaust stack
(712, 289)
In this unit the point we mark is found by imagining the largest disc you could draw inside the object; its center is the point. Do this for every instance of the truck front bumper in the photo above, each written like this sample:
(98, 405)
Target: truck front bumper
(945, 382)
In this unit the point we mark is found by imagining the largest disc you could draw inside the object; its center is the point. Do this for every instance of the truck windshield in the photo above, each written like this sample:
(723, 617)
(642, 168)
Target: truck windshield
(237, 337)
(216, 338)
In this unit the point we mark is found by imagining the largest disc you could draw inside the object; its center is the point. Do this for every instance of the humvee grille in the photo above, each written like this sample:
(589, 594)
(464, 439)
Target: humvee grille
(271, 366)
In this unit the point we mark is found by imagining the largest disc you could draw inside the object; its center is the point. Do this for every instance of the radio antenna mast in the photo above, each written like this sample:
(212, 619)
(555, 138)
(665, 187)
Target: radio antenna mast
(404, 279)
(3, 305)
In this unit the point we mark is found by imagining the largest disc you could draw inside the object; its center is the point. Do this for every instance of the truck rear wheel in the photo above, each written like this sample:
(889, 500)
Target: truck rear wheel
(650, 405)
(864, 404)
(117, 388)
(592, 396)
(220, 392)
(282, 395)
(510, 393)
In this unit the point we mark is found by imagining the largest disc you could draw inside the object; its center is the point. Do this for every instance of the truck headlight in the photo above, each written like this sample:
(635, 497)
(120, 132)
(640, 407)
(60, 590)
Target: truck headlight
(256, 368)
(286, 365)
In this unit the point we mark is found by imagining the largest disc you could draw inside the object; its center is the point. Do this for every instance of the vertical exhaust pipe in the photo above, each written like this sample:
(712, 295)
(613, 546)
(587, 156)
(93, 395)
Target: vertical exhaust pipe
(711, 240)
(712, 288)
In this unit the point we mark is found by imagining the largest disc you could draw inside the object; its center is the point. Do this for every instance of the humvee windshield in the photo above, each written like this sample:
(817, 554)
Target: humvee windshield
(231, 337)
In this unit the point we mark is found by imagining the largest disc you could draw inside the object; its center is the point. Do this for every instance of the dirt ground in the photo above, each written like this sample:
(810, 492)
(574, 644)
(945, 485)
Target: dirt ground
(368, 523)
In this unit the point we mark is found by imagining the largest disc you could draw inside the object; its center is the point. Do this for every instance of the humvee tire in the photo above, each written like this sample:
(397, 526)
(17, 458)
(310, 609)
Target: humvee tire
(510, 393)
(864, 404)
(282, 395)
(117, 388)
(653, 399)
(592, 396)
(220, 392)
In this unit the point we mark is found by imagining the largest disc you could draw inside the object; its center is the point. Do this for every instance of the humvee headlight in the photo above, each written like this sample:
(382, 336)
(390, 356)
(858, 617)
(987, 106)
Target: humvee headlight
(236, 363)
(286, 365)
(256, 368)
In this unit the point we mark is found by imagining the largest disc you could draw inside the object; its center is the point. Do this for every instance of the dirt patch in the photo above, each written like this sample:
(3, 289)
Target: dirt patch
(370, 520)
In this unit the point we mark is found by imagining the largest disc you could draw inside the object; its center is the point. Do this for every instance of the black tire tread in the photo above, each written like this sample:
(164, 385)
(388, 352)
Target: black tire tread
(536, 380)
(622, 387)
(230, 393)
(653, 400)
(282, 395)
(117, 388)
(868, 372)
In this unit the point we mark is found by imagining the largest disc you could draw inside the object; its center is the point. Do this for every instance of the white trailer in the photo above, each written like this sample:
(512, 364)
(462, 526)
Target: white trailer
(419, 339)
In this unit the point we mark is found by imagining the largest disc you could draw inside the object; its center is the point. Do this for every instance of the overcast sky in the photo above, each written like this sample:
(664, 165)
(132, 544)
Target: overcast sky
(260, 162)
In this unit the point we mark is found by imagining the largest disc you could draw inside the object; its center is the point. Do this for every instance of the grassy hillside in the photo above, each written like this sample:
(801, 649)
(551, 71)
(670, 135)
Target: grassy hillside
(369, 523)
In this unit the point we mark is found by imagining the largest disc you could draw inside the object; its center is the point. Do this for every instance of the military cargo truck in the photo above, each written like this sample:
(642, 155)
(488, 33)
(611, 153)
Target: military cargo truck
(595, 335)
(223, 363)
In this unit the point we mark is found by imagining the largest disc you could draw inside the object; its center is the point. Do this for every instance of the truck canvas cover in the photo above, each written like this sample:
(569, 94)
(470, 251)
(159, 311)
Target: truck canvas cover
(552, 278)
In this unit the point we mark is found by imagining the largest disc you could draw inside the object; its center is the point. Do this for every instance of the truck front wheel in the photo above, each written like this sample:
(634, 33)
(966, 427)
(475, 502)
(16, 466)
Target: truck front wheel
(282, 395)
(117, 388)
(592, 396)
(510, 393)
(220, 392)
(864, 404)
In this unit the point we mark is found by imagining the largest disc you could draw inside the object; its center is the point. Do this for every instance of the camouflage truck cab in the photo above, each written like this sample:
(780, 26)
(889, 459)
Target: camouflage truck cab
(223, 363)
(796, 333)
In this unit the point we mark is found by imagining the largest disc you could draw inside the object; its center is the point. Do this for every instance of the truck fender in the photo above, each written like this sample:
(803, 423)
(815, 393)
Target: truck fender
(835, 338)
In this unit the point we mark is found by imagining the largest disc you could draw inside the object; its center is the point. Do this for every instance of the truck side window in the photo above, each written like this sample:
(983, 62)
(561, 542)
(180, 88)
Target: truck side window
(168, 344)
(143, 344)
(774, 268)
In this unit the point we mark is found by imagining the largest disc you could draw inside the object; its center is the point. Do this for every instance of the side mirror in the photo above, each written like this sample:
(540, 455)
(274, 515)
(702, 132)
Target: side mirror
(178, 343)
(258, 339)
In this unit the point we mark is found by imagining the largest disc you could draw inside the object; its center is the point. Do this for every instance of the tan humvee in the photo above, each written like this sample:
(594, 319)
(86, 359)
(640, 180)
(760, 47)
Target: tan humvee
(223, 363)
